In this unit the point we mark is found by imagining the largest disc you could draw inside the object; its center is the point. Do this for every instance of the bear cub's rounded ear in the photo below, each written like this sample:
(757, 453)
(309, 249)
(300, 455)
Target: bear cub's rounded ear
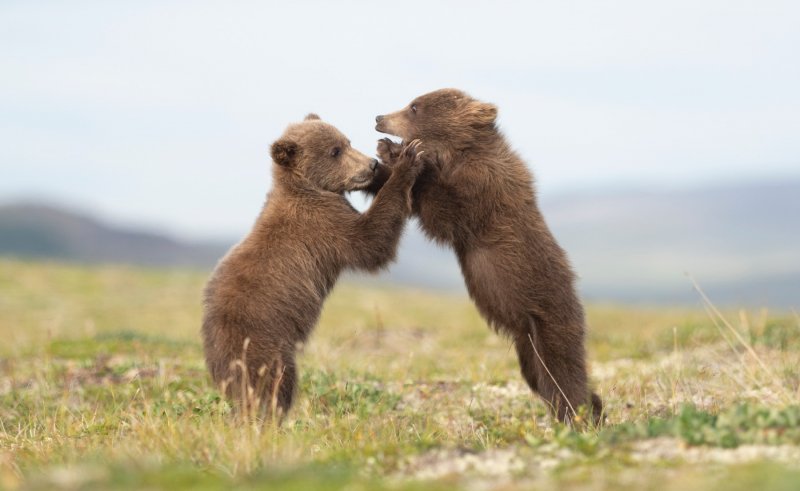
(284, 152)
(484, 113)
(311, 117)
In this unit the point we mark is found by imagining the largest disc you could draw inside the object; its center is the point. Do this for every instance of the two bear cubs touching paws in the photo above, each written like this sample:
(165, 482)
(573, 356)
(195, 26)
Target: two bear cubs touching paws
(470, 191)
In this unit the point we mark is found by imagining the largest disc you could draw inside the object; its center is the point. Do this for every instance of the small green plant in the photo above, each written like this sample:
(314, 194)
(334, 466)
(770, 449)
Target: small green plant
(737, 425)
(350, 393)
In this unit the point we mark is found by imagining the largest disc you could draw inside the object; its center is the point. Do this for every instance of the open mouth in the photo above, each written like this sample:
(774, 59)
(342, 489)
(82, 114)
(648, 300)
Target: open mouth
(382, 129)
(360, 182)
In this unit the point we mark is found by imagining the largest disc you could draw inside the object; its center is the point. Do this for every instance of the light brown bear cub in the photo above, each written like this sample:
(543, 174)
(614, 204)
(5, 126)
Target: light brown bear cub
(265, 296)
(476, 195)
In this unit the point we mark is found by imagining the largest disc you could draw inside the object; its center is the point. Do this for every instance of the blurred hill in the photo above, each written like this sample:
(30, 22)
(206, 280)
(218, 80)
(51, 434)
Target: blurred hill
(31, 230)
(741, 243)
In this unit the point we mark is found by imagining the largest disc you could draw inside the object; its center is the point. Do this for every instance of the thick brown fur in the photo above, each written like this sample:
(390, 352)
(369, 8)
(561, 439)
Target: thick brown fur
(476, 195)
(265, 296)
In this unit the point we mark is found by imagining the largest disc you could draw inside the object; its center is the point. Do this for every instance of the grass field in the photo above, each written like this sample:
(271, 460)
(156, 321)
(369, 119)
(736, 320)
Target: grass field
(102, 385)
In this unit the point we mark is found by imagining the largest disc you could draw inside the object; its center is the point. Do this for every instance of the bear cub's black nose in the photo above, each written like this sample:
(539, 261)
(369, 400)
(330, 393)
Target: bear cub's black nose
(374, 164)
(378, 118)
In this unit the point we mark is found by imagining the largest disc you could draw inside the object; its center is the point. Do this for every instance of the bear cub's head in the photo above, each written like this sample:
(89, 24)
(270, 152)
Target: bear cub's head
(321, 155)
(445, 116)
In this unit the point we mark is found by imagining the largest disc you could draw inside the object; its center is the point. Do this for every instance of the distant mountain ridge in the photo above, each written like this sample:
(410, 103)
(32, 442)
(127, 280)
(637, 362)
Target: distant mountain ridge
(32, 230)
(741, 243)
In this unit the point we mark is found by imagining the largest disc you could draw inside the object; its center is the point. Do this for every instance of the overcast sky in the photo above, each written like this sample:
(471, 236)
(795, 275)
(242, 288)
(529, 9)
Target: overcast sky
(162, 113)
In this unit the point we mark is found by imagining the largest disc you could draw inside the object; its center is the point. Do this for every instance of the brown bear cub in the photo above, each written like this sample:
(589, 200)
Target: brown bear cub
(265, 296)
(476, 195)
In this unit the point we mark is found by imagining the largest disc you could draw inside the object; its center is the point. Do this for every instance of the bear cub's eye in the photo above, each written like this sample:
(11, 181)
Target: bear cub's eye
(413, 108)
(335, 152)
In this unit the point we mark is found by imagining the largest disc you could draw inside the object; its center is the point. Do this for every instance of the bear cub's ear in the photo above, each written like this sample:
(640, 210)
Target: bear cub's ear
(312, 117)
(483, 113)
(284, 152)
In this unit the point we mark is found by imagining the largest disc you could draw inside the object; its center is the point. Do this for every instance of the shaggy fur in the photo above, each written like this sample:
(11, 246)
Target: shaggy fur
(265, 296)
(476, 195)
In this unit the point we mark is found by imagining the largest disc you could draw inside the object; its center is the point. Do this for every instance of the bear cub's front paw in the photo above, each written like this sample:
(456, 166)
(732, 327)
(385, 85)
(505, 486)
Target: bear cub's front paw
(409, 162)
(388, 151)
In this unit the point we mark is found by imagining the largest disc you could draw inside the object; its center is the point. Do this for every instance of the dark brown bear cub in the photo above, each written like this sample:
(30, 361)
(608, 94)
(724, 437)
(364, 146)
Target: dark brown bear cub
(476, 195)
(265, 296)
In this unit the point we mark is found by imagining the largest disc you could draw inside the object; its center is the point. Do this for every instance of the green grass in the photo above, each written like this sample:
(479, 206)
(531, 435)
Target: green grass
(102, 385)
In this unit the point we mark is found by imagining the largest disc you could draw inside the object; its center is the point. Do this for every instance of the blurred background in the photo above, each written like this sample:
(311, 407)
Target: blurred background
(664, 137)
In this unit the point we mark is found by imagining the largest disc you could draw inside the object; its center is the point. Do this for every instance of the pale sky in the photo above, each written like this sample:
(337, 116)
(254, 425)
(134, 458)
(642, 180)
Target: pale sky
(162, 113)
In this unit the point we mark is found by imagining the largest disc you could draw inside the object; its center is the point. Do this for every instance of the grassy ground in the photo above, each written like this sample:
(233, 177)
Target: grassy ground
(102, 385)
